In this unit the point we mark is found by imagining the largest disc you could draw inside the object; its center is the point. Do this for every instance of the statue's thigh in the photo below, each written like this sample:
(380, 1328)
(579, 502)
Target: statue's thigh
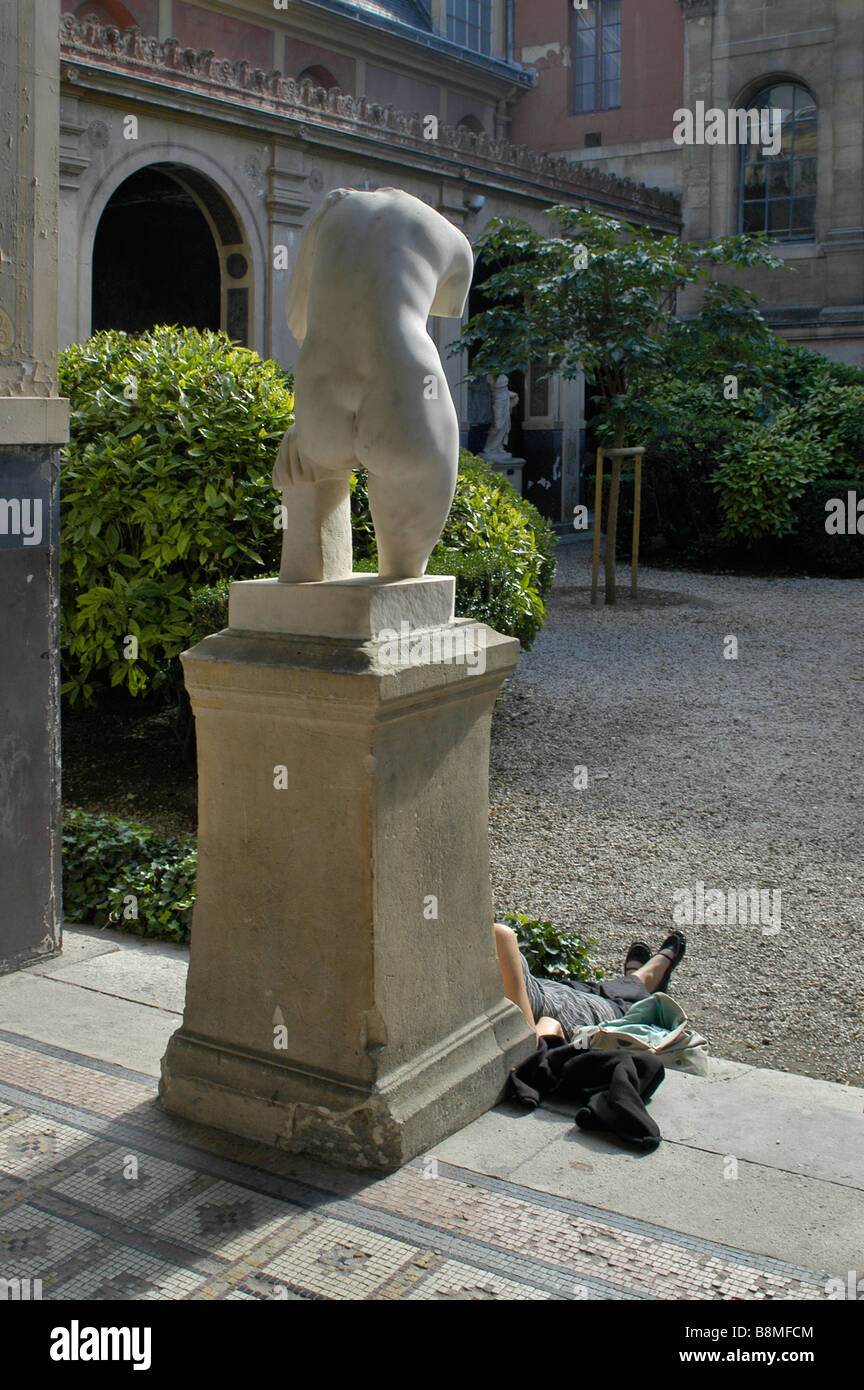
(400, 433)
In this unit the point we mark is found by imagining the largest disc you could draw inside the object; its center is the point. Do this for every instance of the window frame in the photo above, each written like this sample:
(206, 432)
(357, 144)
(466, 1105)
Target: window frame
(759, 100)
(600, 9)
(458, 12)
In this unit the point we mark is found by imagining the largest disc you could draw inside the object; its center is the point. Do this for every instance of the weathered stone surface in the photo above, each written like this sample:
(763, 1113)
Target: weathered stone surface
(360, 606)
(29, 706)
(33, 423)
(344, 996)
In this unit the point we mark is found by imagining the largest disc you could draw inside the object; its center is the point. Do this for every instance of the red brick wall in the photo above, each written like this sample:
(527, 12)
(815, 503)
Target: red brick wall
(198, 28)
(651, 86)
(300, 55)
(123, 13)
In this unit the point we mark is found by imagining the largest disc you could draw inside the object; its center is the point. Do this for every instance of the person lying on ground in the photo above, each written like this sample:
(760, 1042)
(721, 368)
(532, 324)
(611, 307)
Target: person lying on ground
(555, 1009)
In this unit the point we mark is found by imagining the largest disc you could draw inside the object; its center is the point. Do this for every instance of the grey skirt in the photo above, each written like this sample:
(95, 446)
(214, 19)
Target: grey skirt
(581, 1003)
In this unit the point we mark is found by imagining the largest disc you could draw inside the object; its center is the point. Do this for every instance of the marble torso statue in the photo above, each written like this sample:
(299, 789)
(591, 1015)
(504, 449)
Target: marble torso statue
(370, 389)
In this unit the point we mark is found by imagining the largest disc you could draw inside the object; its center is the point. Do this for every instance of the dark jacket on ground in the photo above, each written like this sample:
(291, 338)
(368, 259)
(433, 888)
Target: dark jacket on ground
(610, 1087)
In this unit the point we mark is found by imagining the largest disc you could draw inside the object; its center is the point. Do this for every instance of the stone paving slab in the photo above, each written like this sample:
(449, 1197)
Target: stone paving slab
(103, 1196)
(86, 1020)
(751, 1205)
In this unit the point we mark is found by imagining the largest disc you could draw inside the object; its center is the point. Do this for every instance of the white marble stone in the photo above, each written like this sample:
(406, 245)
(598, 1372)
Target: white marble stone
(370, 387)
(361, 606)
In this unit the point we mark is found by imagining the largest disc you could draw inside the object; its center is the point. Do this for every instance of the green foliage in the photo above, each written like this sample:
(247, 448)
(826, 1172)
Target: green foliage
(113, 867)
(499, 547)
(724, 473)
(600, 298)
(553, 954)
(836, 412)
(165, 487)
(810, 547)
(764, 473)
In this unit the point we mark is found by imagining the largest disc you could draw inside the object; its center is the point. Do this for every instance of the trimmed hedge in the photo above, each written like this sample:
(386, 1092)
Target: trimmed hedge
(811, 547)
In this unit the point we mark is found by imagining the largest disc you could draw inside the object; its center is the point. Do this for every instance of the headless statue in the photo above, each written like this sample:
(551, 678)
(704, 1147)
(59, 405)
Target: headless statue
(503, 401)
(370, 388)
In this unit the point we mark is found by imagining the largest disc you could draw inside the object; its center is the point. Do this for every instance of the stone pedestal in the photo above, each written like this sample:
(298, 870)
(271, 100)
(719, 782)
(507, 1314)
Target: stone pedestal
(512, 468)
(344, 998)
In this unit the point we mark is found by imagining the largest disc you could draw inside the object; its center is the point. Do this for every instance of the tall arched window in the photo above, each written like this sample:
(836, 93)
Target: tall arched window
(778, 175)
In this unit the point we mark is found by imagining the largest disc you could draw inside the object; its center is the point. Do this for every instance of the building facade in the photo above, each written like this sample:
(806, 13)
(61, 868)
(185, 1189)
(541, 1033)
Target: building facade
(609, 75)
(196, 141)
(805, 186)
(614, 76)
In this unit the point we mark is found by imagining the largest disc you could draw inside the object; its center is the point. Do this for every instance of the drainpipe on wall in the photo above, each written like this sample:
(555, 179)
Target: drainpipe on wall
(510, 33)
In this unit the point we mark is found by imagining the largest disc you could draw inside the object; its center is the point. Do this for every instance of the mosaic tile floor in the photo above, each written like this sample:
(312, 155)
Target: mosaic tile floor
(102, 1196)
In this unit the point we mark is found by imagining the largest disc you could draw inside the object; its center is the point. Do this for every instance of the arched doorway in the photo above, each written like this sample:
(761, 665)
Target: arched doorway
(169, 249)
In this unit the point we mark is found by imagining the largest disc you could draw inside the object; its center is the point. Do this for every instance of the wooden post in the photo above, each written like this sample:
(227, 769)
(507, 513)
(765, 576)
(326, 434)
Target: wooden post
(612, 524)
(637, 515)
(598, 511)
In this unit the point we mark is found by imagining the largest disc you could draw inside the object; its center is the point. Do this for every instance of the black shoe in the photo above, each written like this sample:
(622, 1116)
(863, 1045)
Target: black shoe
(674, 946)
(638, 954)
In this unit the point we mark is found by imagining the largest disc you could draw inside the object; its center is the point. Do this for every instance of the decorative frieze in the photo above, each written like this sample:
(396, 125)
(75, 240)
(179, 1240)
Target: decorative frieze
(86, 42)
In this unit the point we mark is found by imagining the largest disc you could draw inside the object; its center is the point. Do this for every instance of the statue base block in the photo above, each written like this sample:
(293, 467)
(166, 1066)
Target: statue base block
(361, 605)
(344, 998)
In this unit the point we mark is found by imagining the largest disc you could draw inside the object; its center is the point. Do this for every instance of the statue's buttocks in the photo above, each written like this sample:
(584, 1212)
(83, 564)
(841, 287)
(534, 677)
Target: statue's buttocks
(370, 388)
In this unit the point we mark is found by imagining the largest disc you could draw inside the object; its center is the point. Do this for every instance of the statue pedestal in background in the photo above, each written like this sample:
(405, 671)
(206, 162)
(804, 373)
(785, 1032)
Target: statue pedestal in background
(344, 998)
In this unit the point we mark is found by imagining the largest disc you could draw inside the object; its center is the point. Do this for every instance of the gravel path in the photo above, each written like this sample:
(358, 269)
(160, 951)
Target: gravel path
(738, 774)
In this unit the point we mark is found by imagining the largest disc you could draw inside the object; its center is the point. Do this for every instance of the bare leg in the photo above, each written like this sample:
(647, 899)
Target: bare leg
(406, 535)
(651, 974)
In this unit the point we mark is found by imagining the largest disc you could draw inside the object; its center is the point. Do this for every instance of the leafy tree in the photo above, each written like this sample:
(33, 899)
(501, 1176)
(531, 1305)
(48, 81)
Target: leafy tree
(600, 298)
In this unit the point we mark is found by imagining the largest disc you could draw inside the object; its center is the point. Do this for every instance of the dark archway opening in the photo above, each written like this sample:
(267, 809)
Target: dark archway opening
(155, 259)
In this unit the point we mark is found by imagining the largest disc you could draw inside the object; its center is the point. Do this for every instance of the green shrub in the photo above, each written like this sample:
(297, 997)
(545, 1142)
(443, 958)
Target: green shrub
(165, 488)
(499, 547)
(721, 477)
(810, 547)
(553, 954)
(762, 475)
(122, 874)
(836, 412)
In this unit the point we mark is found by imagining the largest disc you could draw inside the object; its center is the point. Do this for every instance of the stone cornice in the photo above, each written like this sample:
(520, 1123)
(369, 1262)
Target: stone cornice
(88, 43)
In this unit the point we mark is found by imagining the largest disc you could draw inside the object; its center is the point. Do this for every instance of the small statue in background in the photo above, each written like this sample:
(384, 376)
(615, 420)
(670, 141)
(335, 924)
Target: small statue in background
(503, 402)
